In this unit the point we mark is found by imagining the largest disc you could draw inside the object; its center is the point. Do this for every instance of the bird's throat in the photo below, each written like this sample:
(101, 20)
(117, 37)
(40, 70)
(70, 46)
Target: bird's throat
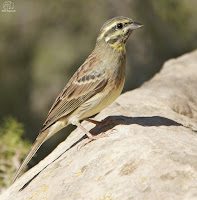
(118, 46)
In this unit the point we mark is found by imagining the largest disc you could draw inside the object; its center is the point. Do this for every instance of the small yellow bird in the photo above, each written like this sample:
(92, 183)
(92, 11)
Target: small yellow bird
(94, 86)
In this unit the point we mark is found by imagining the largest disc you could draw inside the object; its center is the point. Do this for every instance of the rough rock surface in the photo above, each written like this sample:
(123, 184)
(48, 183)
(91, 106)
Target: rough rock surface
(150, 151)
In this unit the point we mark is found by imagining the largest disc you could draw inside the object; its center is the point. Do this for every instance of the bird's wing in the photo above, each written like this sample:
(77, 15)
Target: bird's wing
(83, 85)
(86, 82)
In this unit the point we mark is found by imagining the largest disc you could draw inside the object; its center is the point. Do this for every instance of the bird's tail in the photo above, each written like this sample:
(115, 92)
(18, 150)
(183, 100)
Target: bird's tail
(42, 137)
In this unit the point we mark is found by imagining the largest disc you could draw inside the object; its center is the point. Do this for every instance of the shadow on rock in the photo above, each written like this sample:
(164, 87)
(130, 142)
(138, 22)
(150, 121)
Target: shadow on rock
(109, 123)
(112, 121)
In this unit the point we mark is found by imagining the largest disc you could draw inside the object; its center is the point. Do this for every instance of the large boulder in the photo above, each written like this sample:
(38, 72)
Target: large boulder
(150, 151)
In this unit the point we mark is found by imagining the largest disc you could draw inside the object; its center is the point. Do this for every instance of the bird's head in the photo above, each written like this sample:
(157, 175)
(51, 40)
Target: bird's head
(116, 31)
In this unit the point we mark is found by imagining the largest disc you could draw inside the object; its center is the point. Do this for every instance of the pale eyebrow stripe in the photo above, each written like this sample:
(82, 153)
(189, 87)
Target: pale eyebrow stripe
(110, 27)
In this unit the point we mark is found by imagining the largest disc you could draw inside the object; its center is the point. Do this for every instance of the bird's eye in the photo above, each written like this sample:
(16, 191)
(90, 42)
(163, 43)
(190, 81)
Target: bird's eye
(119, 25)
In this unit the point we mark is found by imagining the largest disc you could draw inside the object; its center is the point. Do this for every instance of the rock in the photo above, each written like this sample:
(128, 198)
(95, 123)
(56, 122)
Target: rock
(150, 151)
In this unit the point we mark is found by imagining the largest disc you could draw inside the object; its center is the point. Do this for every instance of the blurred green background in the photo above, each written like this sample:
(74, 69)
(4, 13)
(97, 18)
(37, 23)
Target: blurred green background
(44, 42)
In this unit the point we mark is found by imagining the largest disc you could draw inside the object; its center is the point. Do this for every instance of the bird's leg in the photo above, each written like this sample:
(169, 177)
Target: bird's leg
(90, 136)
(95, 137)
(97, 123)
(93, 121)
(104, 122)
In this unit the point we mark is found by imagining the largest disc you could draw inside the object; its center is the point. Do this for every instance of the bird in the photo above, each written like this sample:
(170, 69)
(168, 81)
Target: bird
(96, 84)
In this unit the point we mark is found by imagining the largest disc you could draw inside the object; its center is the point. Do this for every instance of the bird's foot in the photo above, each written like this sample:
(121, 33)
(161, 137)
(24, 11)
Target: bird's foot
(94, 137)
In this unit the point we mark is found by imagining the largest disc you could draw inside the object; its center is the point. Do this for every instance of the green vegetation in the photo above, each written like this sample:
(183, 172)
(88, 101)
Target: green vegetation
(12, 150)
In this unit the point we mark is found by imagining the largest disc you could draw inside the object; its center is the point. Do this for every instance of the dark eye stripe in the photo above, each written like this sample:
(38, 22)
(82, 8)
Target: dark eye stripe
(127, 23)
(110, 31)
(114, 28)
(113, 40)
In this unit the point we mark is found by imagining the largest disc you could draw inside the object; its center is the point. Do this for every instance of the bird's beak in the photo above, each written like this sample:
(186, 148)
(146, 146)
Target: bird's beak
(135, 25)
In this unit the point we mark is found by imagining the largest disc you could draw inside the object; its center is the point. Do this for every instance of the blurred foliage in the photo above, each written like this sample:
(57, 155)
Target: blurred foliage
(44, 42)
(13, 149)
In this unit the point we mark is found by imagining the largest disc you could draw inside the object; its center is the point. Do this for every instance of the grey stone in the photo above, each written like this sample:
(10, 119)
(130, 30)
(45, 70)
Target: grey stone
(150, 151)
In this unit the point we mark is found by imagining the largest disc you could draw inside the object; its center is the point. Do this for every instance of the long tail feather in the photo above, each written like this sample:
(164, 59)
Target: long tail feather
(42, 137)
(39, 141)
